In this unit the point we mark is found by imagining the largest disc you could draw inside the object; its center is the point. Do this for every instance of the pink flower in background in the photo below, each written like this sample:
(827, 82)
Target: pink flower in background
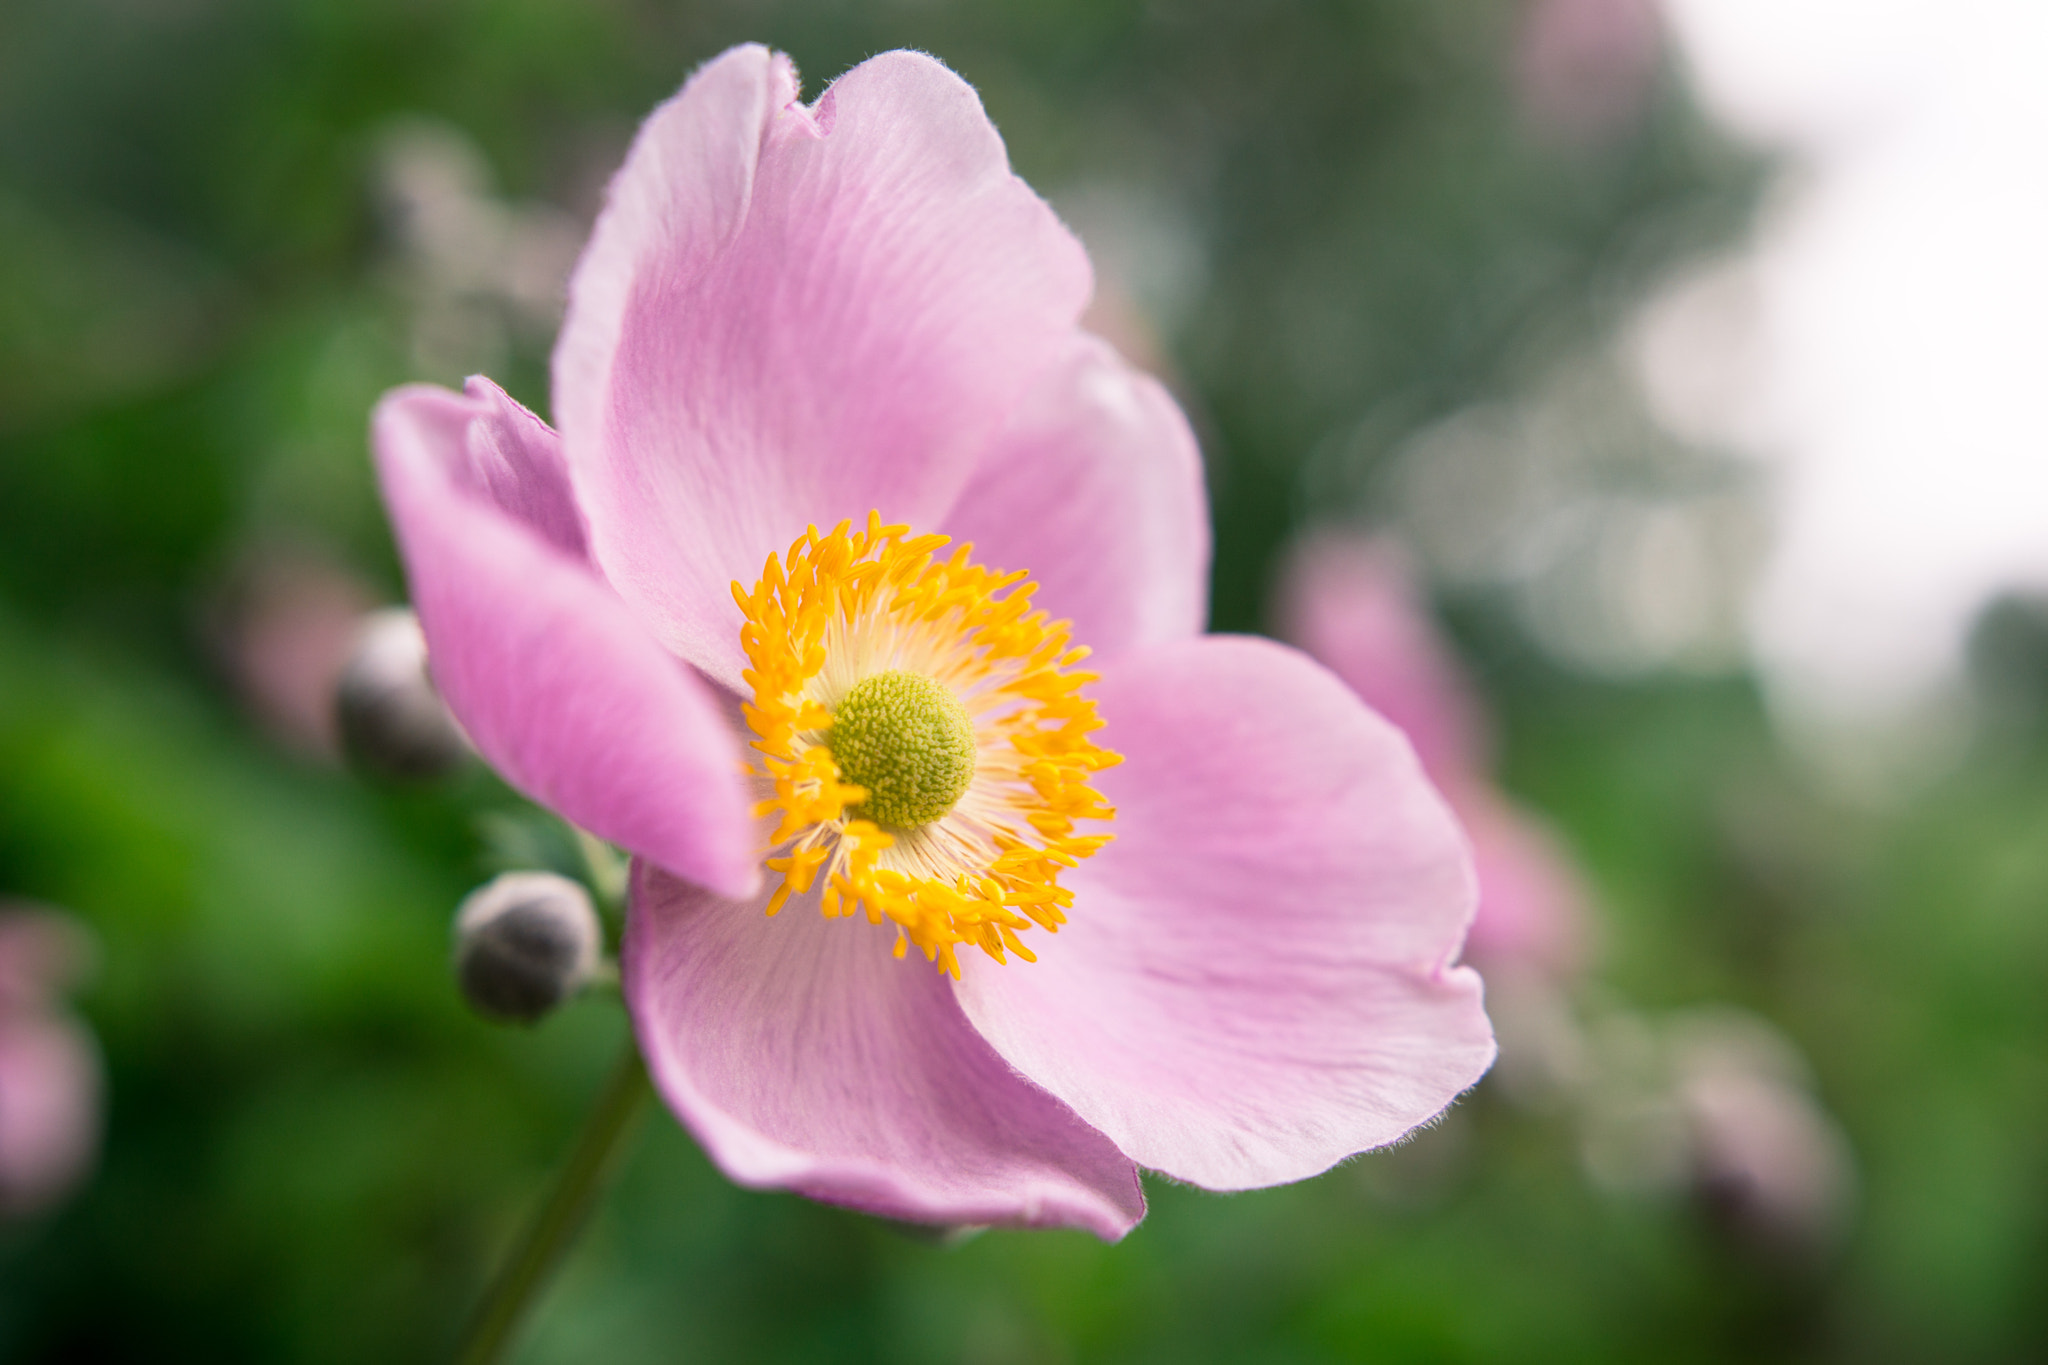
(49, 1066)
(1585, 69)
(283, 630)
(1717, 1104)
(1768, 1161)
(1352, 603)
(1194, 909)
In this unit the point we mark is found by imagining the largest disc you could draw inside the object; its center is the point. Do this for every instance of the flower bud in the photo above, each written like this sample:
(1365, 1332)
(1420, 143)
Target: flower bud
(524, 943)
(1770, 1166)
(391, 719)
(1716, 1104)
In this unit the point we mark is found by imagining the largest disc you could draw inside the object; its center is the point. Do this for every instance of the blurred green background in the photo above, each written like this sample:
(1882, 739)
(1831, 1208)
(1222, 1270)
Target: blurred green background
(227, 225)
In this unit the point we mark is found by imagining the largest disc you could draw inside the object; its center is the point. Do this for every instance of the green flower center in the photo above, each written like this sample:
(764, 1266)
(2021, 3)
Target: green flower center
(909, 741)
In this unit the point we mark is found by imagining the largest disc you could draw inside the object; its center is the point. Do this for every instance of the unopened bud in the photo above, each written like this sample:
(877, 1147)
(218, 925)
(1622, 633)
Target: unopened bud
(524, 943)
(1769, 1164)
(392, 720)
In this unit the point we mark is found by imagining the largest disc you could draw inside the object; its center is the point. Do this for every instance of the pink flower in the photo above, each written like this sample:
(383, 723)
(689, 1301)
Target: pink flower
(1585, 69)
(283, 631)
(1766, 1158)
(1351, 603)
(788, 317)
(49, 1067)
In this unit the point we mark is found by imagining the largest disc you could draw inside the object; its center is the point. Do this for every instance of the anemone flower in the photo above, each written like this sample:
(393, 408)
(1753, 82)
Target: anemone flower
(49, 1065)
(925, 918)
(1352, 603)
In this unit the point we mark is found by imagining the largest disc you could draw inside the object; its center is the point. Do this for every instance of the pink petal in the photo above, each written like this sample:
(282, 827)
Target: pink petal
(550, 673)
(803, 1056)
(790, 315)
(1255, 981)
(1352, 604)
(514, 461)
(1532, 906)
(49, 1109)
(1096, 488)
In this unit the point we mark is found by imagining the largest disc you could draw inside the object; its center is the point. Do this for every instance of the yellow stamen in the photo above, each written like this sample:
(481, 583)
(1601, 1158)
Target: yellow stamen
(969, 866)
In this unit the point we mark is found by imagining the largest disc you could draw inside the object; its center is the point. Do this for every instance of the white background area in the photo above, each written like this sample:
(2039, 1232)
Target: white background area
(1882, 340)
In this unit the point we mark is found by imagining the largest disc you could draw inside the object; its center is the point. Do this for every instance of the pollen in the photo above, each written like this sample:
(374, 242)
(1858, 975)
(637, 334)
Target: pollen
(924, 740)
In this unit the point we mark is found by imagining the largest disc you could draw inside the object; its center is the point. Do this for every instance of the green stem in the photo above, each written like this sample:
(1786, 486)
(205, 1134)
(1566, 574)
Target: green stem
(609, 871)
(583, 1177)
